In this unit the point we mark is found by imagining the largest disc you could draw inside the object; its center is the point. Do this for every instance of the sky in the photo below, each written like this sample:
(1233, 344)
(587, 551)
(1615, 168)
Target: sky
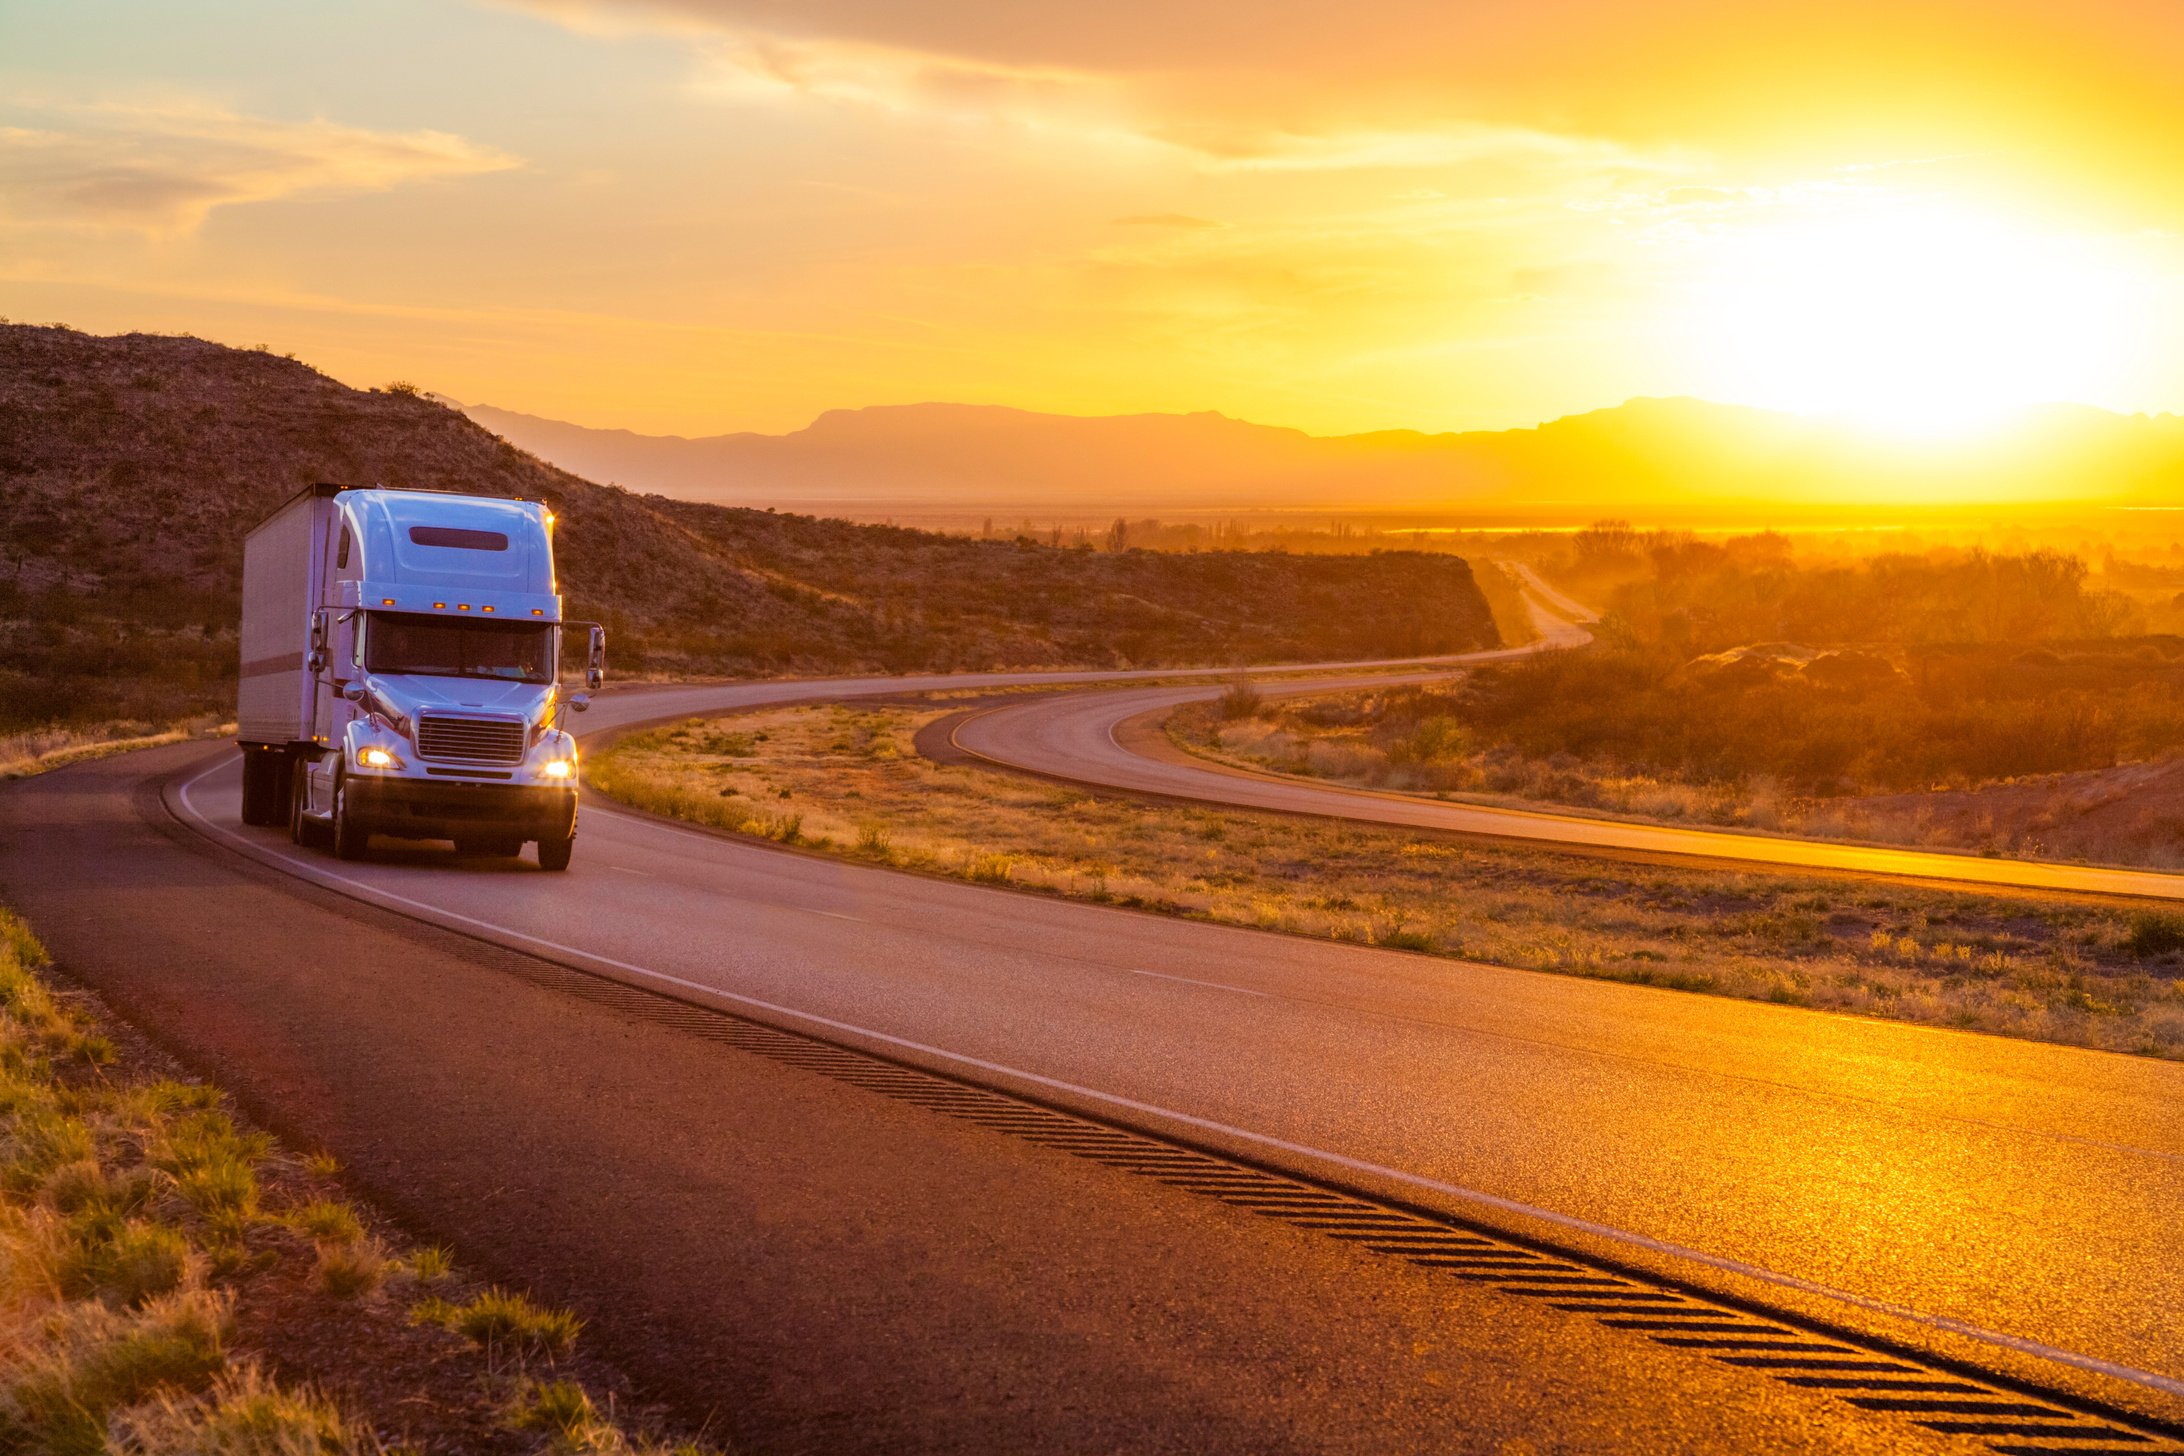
(697, 216)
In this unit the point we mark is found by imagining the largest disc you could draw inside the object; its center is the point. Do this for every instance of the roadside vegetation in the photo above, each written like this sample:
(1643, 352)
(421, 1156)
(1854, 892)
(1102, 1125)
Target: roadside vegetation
(1957, 699)
(848, 781)
(174, 1283)
(44, 749)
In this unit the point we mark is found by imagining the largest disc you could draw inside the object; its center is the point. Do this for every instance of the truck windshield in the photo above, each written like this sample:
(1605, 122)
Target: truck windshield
(444, 647)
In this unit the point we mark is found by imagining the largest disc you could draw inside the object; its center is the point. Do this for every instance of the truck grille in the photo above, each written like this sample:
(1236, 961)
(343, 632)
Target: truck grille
(469, 740)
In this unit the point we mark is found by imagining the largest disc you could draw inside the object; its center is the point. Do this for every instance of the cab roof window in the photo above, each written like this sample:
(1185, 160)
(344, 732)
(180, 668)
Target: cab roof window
(460, 537)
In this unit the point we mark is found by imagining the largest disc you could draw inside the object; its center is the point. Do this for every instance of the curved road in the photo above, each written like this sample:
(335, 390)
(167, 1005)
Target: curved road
(2023, 1192)
(1112, 739)
(2007, 1204)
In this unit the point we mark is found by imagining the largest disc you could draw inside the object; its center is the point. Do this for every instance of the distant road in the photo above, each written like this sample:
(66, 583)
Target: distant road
(1112, 739)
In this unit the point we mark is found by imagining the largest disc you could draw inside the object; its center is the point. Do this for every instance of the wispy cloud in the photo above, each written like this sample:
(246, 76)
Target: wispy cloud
(163, 169)
(1037, 73)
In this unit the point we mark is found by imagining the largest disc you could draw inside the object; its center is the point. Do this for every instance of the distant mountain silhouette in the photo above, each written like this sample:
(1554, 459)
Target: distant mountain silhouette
(1646, 452)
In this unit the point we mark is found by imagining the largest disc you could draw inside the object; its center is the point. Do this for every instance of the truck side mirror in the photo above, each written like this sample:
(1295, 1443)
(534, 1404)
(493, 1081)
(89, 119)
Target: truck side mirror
(353, 691)
(581, 702)
(315, 660)
(595, 671)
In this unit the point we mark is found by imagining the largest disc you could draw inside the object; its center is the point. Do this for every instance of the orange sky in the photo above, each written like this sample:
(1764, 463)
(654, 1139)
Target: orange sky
(704, 215)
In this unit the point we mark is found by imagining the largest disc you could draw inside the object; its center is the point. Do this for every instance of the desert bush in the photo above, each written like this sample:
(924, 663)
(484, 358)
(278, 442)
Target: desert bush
(2153, 935)
(1240, 699)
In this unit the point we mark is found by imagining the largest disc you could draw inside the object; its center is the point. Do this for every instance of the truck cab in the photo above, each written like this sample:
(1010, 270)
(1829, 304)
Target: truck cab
(429, 703)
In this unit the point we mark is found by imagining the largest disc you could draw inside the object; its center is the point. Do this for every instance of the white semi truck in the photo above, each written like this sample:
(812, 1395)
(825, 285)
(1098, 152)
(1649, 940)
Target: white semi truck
(401, 673)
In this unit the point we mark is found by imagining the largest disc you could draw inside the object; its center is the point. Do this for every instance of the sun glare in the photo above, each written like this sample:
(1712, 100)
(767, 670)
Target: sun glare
(1918, 321)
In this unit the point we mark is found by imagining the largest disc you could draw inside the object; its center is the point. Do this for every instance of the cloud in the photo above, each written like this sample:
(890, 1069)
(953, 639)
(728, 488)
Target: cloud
(163, 169)
(1219, 85)
(1167, 220)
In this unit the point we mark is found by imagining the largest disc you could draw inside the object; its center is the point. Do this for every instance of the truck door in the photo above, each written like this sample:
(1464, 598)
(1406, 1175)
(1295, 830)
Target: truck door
(338, 649)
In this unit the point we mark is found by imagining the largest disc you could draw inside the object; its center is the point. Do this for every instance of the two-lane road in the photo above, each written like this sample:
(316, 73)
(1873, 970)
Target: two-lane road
(855, 1274)
(2011, 1194)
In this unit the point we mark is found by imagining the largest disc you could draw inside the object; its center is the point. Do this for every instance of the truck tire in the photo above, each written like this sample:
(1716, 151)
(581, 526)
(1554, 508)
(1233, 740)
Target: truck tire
(554, 850)
(351, 834)
(299, 824)
(265, 787)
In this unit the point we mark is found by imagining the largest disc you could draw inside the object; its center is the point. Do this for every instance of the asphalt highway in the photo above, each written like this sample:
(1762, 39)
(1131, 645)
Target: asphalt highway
(2030, 1193)
(828, 1269)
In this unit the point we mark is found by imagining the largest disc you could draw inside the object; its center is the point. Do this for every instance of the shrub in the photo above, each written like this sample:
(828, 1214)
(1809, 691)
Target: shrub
(2154, 934)
(1241, 700)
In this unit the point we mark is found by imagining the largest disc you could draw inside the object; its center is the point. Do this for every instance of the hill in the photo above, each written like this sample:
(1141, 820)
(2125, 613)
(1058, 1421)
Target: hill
(131, 467)
(1633, 459)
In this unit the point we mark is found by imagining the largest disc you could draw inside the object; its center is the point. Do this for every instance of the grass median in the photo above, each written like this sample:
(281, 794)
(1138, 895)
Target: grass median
(173, 1282)
(847, 780)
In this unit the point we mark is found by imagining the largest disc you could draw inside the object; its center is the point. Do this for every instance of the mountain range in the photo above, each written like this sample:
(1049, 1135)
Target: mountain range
(1640, 457)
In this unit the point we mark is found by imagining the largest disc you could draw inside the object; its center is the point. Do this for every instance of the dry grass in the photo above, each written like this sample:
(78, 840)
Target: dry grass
(44, 749)
(141, 1229)
(850, 781)
(1409, 742)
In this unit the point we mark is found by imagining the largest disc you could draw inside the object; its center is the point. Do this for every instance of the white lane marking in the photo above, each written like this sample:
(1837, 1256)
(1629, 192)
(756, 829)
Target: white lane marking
(1370, 1169)
(838, 915)
(1194, 981)
(626, 870)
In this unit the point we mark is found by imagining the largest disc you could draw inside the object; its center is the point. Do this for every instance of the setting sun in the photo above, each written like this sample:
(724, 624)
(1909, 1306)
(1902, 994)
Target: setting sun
(1917, 319)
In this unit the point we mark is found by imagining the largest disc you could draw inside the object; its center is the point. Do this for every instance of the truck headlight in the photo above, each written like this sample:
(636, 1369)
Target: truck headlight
(558, 768)
(370, 757)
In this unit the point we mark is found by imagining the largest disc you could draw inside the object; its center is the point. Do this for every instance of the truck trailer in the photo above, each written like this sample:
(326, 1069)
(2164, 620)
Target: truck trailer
(401, 673)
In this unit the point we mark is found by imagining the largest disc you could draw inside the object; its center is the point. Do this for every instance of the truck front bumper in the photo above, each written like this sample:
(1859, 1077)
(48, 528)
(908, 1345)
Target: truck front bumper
(405, 808)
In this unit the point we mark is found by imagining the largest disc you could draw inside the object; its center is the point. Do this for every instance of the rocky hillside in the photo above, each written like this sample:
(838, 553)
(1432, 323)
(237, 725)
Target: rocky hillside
(131, 467)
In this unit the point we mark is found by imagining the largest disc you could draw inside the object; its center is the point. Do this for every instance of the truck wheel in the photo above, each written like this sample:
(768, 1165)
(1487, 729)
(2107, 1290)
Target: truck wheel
(554, 850)
(350, 833)
(265, 787)
(299, 824)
